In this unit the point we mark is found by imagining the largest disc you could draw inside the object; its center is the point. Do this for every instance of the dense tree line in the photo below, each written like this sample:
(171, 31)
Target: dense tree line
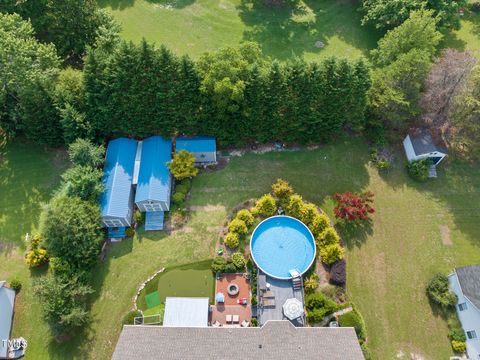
(71, 25)
(387, 14)
(235, 94)
(403, 60)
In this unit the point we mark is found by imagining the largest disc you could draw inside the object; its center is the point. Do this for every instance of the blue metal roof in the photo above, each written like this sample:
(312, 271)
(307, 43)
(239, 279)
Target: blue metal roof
(154, 175)
(196, 144)
(117, 177)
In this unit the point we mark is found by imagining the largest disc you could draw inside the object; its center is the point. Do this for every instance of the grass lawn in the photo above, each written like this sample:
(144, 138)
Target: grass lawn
(195, 26)
(388, 267)
(468, 36)
(191, 280)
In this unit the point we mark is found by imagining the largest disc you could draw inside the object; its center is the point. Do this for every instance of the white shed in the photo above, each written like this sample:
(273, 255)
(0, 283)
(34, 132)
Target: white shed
(424, 144)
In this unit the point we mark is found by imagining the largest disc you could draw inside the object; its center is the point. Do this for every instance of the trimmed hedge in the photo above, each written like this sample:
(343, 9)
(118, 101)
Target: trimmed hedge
(355, 320)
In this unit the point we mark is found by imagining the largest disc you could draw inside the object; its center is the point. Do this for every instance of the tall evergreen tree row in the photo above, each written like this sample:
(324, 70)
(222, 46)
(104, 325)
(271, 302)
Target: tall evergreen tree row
(234, 94)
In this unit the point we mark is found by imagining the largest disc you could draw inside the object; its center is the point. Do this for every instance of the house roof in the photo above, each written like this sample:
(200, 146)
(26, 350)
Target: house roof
(275, 340)
(425, 141)
(469, 279)
(154, 175)
(186, 311)
(196, 144)
(7, 300)
(117, 177)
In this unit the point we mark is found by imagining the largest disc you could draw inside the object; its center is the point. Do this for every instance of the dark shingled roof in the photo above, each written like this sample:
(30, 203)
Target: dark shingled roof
(423, 142)
(469, 279)
(275, 340)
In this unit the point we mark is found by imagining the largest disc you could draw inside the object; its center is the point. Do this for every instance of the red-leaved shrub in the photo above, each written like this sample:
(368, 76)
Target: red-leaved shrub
(353, 206)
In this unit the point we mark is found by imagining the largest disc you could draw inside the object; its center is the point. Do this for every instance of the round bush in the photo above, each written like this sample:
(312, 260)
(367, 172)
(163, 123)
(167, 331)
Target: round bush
(338, 273)
(459, 346)
(130, 232)
(232, 240)
(178, 198)
(238, 226)
(439, 293)
(239, 261)
(319, 223)
(331, 253)
(328, 237)
(282, 190)
(218, 264)
(129, 318)
(353, 319)
(295, 207)
(16, 284)
(183, 188)
(309, 213)
(36, 257)
(311, 283)
(246, 216)
(265, 206)
(418, 170)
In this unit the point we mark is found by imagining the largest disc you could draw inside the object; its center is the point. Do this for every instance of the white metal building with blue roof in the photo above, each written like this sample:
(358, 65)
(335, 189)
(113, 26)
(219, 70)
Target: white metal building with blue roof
(154, 181)
(117, 199)
(203, 147)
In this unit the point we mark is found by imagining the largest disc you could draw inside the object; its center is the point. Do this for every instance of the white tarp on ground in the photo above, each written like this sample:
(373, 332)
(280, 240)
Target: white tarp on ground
(7, 300)
(186, 312)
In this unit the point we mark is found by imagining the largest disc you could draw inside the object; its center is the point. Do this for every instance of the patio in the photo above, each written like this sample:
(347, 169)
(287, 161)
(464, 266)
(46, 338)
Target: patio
(230, 313)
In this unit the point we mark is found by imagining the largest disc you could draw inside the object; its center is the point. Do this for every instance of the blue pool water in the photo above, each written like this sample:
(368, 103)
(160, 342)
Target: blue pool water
(280, 244)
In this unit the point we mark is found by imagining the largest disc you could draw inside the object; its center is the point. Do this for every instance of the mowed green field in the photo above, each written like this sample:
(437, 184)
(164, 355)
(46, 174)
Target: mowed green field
(195, 26)
(388, 266)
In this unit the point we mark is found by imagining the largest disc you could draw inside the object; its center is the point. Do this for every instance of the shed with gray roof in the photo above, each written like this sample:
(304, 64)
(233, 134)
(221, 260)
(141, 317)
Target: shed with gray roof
(275, 340)
(424, 144)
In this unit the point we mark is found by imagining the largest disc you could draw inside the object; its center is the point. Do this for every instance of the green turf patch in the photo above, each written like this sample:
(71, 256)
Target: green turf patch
(152, 299)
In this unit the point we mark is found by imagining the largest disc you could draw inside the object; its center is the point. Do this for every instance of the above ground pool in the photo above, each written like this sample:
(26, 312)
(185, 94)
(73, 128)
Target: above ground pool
(280, 244)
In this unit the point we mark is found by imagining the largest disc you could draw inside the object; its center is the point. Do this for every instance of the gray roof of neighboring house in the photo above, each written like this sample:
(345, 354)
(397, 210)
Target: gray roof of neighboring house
(469, 279)
(7, 301)
(275, 340)
(423, 142)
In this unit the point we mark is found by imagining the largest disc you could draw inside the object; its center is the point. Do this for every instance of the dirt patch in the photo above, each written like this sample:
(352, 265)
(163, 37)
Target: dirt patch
(322, 272)
(445, 233)
(221, 164)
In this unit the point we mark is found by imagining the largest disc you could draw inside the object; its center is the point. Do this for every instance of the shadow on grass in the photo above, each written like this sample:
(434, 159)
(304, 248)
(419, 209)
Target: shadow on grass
(288, 31)
(116, 4)
(354, 234)
(124, 4)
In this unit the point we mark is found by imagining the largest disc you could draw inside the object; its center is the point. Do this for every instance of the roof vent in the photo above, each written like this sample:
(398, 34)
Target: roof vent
(260, 346)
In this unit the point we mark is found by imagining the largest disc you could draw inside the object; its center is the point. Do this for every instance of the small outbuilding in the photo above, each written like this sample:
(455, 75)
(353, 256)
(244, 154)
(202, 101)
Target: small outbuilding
(186, 312)
(7, 302)
(117, 199)
(424, 144)
(203, 147)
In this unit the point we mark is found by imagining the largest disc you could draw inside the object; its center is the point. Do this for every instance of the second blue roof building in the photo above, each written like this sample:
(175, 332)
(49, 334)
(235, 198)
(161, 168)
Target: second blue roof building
(154, 183)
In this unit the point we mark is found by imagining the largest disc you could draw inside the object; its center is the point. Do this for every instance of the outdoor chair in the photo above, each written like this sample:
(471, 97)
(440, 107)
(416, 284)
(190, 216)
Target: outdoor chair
(228, 319)
(236, 319)
(244, 323)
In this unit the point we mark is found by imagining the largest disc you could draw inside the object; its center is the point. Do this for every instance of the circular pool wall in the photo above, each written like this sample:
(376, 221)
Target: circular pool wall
(280, 244)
